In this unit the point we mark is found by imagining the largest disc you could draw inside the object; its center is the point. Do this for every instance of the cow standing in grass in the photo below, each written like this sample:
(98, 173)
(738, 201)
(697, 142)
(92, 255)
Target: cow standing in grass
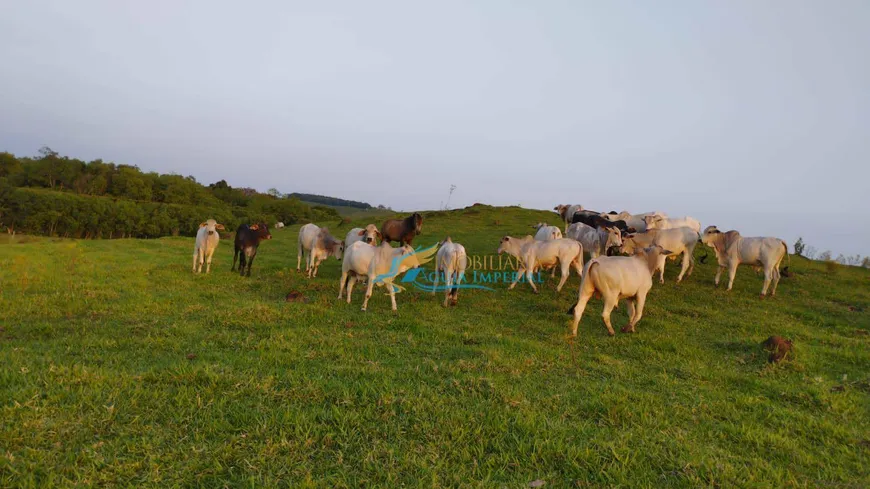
(733, 250)
(207, 239)
(452, 260)
(678, 240)
(247, 242)
(319, 245)
(543, 254)
(614, 278)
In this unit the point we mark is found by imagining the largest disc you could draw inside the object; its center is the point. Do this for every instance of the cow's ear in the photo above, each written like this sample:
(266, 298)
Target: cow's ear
(219, 226)
(204, 224)
(361, 232)
(254, 227)
(667, 252)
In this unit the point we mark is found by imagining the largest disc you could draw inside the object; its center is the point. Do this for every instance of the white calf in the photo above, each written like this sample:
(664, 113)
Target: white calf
(678, 240)
(207, 240)
(369, 234)
(733, 250)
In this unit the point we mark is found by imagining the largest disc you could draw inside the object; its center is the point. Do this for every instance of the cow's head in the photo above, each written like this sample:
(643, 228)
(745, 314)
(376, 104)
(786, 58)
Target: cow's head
(711, 236)
(261, 231)
(538, 225)
(653, 221)
(614, 238)
(370, 234)
(211, 225)
(505, 244)
(652, 254)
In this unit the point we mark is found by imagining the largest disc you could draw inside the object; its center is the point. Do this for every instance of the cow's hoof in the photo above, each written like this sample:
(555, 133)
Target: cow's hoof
(761, 296)
(627, 329)
(611, 333)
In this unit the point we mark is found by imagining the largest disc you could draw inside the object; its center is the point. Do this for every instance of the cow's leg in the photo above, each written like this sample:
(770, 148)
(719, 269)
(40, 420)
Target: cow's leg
(207, 261)
(350, 284)
(520, 272)
(566, 269)
(718, 274)
(768, 276)
(686, 264)
(609, 303)
(195, 255)
(251, 260)
(368, 292)
(776, 276)
(630, 303)
(448, 277)
(638, 311)
(392, 294)
(341, 283)
(661, 265)
(732, 272)
(437, 272)
(456, 283)
(235, 256)
(299, 254)
(579, 308)
(529, 277)
(242, 262)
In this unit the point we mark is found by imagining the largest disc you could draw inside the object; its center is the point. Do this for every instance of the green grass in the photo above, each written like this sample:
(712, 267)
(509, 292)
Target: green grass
(96, 387)
(356, 212)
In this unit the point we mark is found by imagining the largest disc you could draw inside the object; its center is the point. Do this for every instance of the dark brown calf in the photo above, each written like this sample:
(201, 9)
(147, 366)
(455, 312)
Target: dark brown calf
(247, 241)
(402, 230)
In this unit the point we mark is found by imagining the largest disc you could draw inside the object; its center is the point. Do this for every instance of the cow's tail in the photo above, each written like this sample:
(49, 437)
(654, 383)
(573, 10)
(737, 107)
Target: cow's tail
(586, 281)
(787, 257)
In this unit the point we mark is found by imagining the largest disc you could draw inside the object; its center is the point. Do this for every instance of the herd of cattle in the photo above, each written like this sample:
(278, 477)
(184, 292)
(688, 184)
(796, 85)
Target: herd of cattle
(647, 241)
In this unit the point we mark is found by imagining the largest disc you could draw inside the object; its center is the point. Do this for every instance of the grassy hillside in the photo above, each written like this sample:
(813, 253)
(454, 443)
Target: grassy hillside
(118, 366)
(356, 212)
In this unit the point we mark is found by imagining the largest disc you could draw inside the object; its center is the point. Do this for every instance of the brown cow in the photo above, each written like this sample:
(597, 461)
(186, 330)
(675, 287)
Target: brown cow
(402, 230)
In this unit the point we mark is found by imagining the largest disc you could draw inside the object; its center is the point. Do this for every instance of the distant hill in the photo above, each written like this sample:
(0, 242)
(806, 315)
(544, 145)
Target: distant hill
(330, 201)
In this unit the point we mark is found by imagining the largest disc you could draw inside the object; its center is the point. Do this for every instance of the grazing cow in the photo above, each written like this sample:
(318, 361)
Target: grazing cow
(614, 278)
(452, 260)
(319, 245)
(566, 212)
(596, 221)
(545, 232)
(656, 221)
(733, 250)
(543, 254)
(678, 240)
(369, 234)
(595, 241)
(386, 263)
(402, 230)
(247, 241)
(207, 240)
(279, 225)
(357, 258)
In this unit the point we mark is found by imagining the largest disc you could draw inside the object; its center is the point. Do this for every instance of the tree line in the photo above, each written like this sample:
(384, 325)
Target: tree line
(57, 195)
(323, 199)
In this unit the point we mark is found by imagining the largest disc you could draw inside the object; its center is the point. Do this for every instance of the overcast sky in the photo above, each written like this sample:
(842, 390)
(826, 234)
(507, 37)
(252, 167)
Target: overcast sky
(747, 114)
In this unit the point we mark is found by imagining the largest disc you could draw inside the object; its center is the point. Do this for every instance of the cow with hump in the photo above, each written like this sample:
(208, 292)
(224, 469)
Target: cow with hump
(452, 260)
(595, 241)
(318, 245)
(733, 250)
(246, 244)
(533, 254)
(615, 278)
(566, 212)
(381, 264)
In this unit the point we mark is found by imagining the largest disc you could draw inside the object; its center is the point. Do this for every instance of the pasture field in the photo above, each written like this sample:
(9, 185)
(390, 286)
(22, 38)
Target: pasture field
(119, 367)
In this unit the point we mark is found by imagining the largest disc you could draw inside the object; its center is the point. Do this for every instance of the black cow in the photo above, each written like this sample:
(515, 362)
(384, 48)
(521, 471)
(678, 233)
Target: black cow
(247, 241)
(596, 221)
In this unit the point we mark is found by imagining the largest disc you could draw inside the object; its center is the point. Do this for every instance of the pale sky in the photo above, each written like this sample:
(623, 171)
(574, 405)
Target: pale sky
(747, 114)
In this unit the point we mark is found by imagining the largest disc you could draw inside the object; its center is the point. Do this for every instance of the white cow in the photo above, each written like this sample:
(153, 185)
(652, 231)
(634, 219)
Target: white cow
(279, 225)
(386, 264)
(452, 260)
(545, 232)
(543, 254)
(595, 241)
(207, 240)
(677, 240)
(733, 250)
(658, 222)
(370, 234)
(614, 278)
(636, 221)
(566, 211)
(319, 245)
